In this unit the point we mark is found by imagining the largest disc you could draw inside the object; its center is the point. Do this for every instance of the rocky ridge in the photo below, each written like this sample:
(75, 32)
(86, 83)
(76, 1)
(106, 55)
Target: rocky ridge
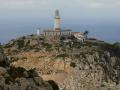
(18, 78)
(73, 65)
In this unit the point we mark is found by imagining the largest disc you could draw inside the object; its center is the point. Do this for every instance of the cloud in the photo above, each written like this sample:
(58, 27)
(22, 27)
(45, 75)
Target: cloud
(45, 4)
(93, 3)
(105, 4)
(22, 3)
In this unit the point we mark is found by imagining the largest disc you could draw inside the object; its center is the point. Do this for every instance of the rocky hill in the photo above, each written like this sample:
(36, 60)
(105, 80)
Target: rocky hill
(72, 65)
(18, 78)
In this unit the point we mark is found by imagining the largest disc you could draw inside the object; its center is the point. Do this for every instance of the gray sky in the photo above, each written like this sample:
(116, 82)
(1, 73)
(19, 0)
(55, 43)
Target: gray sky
(69, 8)
(18, 17)
(61, 3)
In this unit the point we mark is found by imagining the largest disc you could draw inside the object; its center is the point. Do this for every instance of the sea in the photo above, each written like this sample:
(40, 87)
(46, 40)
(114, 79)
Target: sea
(102, 30)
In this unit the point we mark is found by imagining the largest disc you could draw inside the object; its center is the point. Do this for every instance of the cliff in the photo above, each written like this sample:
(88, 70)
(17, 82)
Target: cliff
(18, 78)
(72, 65)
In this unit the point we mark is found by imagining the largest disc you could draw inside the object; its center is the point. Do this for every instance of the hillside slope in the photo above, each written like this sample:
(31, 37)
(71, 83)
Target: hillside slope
(73, 65)
(18, 78)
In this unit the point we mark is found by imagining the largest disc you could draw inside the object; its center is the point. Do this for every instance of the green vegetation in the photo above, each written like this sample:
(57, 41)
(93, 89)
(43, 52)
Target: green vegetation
(32, 73)
(62, 38)
(3, 59)
(20, 43)
(86, 33)
(1, 49)
(47, 46)
(14, 73)
(13, 59)
(72, 64)
(53, 84)
(76, 44)
(18, 72)
(114, 49)
(7, 46)
(27, 44)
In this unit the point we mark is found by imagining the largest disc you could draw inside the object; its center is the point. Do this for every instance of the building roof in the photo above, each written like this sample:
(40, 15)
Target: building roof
(57, 30)
(77, 33)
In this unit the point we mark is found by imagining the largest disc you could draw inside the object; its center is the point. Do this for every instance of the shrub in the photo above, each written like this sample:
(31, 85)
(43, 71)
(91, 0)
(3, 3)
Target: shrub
(72, 37)
(24, 58)
(7, 46)
(112, 48)
(16, 72)
(13, 59)
(62, 55)
(62, 38)
(28, 43)
(20, 43)
(72, 64)
(53, 84)
(47, 46)
(32, 73)
(37, 49)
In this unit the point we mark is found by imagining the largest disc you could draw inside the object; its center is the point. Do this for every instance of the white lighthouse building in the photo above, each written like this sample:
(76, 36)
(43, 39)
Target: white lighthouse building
(38, 32)
(57, 22)
(57, 32)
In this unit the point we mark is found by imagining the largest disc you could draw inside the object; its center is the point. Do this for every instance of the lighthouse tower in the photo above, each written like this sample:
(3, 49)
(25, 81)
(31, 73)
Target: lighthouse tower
(57, 20)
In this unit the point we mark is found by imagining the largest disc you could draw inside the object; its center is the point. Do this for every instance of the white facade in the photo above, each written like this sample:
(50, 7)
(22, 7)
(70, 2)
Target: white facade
(57, 32)
(57, 21)
(38, 32)
(80, 36)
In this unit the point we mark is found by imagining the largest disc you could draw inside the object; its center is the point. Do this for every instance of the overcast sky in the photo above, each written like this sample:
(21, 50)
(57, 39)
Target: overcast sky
(61, 3)
(23, 16)
(69, 8)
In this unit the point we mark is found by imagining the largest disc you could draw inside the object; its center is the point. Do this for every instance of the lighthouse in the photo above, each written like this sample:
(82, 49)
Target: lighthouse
(57, 20)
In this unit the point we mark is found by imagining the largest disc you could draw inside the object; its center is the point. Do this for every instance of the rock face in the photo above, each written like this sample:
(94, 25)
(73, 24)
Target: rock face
(3, 59)
(12, 78)
(74, 66)
(90, 74)
(25, 84)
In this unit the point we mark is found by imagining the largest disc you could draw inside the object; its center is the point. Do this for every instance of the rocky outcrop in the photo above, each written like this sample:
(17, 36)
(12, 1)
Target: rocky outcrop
(73, 65)
(12, 78)
(93, 72)
(3, 59)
